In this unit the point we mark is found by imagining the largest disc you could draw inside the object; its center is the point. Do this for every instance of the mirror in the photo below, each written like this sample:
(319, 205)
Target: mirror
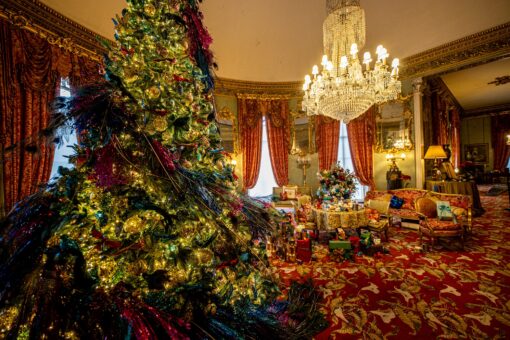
(395, 126)
(302, 134)
(227, 125)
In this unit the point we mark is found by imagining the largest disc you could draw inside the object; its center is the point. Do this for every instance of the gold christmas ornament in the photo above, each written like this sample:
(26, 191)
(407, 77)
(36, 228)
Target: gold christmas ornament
(134, 224)
(153, 92)
(150, 10)
(160, 123)
(219, 165)
(187, 164)
(131, 78)
(190, 97)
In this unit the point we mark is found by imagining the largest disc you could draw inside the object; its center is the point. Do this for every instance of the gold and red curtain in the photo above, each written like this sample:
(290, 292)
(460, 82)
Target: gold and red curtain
(250, 130)
(500, 128)
(361, 134)
(327, 133)
(30, 73)
(250, 113)
(278, 131)
(446, 122)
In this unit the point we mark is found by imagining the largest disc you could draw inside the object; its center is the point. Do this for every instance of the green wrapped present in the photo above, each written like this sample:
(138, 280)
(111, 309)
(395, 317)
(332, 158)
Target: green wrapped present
(339, 244)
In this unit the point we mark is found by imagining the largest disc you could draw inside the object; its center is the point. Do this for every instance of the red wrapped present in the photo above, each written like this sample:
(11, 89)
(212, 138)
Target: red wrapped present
(304, 250)
(355, 241)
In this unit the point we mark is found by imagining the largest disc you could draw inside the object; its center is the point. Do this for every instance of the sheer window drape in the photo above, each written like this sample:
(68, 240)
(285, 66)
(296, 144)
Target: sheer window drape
(265, 179)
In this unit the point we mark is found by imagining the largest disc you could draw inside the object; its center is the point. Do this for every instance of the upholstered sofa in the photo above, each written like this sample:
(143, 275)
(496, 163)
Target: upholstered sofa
(290, 202)
(461, 205)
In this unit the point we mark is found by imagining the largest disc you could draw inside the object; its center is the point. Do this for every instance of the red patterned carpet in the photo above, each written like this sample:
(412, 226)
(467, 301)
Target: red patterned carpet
(445, 293)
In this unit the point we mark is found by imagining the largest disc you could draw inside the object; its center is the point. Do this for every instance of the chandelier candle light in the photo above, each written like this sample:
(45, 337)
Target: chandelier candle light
(393, 158)
(342, 89)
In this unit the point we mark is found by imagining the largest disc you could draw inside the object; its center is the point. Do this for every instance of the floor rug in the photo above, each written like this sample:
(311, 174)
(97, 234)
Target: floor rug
(444, 293)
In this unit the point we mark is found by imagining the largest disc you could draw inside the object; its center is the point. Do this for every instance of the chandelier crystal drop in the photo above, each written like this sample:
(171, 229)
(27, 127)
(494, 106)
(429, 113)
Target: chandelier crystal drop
(344, 89)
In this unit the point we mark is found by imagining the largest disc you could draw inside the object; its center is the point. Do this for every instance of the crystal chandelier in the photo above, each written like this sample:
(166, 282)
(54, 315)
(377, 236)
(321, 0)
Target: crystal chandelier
(343, 90)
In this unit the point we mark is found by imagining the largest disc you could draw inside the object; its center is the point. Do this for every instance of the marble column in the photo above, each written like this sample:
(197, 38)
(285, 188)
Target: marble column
(418, 132)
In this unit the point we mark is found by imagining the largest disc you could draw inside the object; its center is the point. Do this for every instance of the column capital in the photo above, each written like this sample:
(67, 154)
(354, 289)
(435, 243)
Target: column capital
(417, 85)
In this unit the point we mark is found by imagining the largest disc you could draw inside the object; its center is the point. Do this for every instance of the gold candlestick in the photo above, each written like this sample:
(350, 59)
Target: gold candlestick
(303, 162)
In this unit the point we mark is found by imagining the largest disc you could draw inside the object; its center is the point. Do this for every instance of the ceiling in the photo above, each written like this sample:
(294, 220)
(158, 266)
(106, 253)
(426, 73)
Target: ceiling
(471, 87)
(280, 40)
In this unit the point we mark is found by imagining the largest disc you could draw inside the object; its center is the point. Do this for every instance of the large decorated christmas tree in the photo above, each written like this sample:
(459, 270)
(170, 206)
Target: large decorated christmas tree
(145, 237)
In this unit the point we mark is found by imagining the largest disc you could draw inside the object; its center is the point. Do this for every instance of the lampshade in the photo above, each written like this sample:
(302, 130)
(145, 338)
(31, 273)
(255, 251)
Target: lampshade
(435, 152)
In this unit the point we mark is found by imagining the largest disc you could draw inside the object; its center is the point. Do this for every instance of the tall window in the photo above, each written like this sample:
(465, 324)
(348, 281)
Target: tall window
(265, 181)
(63, 151)
(345, 159)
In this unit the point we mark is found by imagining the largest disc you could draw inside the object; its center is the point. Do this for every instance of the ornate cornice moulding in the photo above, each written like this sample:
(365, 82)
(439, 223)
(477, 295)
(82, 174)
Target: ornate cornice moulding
(255, 89)
(58, 30)
(476, 49)
(495, 110)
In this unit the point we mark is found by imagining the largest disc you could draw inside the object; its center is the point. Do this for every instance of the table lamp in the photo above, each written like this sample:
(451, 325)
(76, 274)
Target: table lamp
(435, 152)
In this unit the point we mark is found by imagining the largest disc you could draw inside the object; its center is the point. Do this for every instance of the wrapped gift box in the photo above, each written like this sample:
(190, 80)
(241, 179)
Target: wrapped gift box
(326, 235)
(339, 244)
(304, 250)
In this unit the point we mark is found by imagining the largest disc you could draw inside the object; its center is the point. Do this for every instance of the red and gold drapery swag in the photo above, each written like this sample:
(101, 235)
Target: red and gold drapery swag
(250, 113)
(327, 133)
(30, 73)
(361, 134)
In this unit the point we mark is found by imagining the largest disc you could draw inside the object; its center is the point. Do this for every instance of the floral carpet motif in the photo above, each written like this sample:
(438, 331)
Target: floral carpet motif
(444, 293)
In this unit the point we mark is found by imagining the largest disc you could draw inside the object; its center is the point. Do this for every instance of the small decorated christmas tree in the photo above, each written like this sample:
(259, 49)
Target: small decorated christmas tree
(146, 237)
(336, 184)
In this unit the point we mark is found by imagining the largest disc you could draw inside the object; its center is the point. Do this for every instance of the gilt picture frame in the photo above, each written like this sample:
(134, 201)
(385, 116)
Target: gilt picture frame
(476, 153)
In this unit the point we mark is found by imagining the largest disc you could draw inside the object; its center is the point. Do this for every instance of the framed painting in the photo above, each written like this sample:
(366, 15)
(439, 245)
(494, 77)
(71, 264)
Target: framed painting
(476, 153)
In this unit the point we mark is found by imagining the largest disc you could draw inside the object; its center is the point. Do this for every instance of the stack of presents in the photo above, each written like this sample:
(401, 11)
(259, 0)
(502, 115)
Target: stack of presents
(294, 242)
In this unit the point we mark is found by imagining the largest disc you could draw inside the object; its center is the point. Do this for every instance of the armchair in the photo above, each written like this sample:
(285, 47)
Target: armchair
(431, 226)
(378, 216)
